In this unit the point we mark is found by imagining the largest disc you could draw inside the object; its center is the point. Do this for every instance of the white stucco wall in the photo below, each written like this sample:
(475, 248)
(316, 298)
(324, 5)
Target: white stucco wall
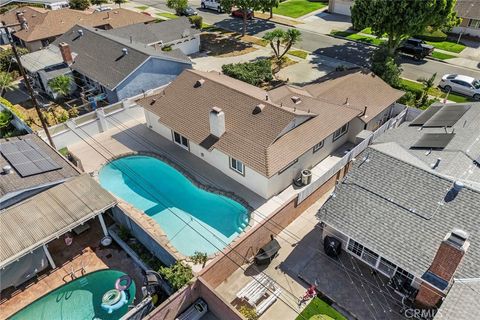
(380, 119)
(188, 46)
(466, 30)
(340, 6)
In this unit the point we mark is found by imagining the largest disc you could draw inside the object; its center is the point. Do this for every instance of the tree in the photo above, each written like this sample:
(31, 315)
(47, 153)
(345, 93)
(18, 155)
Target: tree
(119, 2)
(79, 4)
(61, 85)
(6, 82)
(385, 66)
(178, 5)
(428, 84)
(177, 275)
(199, 258)
(98, 2)
(244, 6)
(278, 38)
(268, 5)
(7, 58)
(401, 19)
(5, 119)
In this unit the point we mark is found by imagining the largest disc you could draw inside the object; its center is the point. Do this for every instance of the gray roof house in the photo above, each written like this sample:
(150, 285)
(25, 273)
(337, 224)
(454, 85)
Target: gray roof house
(42, 197)
(112, 67)
(462, 301)
(176, 33)
(409, 206)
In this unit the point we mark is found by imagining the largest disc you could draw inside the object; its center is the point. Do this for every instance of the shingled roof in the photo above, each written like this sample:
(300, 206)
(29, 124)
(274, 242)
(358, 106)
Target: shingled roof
(469, 9)
(266, 141)
(44, 24)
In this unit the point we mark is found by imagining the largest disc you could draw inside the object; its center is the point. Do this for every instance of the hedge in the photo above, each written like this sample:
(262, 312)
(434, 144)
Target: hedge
(254, 73)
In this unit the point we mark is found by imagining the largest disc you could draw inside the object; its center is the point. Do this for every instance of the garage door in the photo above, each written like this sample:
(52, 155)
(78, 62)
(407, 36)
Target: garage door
(341, 8)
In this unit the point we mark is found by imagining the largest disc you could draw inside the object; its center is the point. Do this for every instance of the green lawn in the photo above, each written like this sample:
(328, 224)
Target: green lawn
(298, 8)
(317, 306)
(448, 46)
(442, 56)
(167, 15)
(299, 53)
(358, 37)
(416, 86)
(142, 8)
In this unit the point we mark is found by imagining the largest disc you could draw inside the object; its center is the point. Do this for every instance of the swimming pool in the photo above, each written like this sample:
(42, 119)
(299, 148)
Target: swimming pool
(173, 201)
(79, 299)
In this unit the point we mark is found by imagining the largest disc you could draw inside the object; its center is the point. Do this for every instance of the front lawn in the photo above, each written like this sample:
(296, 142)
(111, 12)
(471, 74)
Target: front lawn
(168, 15)
(299, 54)
(318, 306)
(448, 46)
(298, 8)
(358, 37)
(143, 8)
(442, 56)
(413, 86)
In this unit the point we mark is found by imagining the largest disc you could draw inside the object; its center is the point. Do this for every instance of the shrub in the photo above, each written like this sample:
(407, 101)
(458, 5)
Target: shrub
(199, 258)
(254, 73)
(386, 67)
(249, 313)
(197, 21)
(167, 48)
(73, 112)
(431, 35)
(177, 275)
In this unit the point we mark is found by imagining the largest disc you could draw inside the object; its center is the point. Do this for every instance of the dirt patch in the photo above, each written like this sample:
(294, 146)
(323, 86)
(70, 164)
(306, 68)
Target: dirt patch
(254, 40)
(285, 62)
(225, 45)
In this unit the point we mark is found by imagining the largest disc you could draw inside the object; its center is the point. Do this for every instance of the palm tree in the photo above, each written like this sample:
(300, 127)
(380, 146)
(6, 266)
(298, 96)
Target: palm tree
(279, 38)
(6, 82)
(61, 85)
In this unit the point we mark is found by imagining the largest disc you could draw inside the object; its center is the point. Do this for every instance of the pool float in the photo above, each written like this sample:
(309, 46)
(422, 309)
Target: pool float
(113, 300)
(126, 279)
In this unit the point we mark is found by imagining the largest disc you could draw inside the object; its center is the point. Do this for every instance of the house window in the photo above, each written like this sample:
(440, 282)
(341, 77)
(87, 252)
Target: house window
(288, 166)
(355, 247)
(386, 267)
(474, 23)
(318, 146)
(370, 257)
(340, 132)
(237, 166)
(404, 275)
(180, 140)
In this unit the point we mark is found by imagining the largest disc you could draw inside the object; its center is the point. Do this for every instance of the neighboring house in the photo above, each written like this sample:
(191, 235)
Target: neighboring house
(469, 11)
(42, 197)
(264, 139)
(42, 26)
(48, 4)
(44, 65)
(107, 66)
(340, 6)
(409, 206)
(175, 34)
(461, 302)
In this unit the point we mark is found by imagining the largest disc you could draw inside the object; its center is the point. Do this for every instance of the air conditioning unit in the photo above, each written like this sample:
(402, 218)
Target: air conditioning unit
(306, 176)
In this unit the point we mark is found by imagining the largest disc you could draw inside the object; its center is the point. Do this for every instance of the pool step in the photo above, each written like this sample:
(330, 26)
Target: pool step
(83, 282)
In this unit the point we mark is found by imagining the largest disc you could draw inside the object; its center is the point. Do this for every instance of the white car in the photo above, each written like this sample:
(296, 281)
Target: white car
(461, 84)
(212, 4)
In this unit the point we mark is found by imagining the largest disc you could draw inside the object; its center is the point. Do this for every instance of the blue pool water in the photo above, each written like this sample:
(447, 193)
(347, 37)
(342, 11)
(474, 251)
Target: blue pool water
(171, 199)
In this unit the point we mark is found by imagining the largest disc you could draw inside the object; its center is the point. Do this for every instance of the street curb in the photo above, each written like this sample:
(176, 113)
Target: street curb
(276, 22)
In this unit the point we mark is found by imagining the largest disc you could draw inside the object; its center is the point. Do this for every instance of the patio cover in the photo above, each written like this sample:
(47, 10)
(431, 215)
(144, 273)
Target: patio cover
(48, 215)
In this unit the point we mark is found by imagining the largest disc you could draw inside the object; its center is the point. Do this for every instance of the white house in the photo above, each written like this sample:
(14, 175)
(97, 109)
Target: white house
(262, 139)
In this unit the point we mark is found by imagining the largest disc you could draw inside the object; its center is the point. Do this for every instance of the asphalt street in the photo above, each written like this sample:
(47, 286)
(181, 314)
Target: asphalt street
(325, 45)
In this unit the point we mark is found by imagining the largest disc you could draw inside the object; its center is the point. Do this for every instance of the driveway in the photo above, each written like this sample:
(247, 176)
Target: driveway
(325, 22)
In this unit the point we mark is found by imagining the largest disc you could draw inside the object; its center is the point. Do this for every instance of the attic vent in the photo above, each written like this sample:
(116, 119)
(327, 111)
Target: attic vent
(296, 99)
(7, 169)
(80, 32)
(125, 51)
(258, 108)
(199, 83)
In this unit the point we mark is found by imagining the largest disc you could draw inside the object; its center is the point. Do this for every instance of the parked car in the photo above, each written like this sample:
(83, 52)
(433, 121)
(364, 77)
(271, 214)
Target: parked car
(212, 4)
(416, 48)
(101, 9)
(461, 84)
(239, 13)
(189, 11)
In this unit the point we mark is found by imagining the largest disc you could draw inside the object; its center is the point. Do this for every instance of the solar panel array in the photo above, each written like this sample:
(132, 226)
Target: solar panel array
(433, 141)
(27, 157)
(425, 116)
(447, 116)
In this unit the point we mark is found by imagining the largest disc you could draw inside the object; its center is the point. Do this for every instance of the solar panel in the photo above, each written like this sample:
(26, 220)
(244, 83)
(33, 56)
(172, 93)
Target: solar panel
(425, 116)
(447, 116)
(27, 157)
(433, 141)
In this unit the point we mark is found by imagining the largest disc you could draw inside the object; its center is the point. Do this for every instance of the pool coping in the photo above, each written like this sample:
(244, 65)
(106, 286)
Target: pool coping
(162, 239)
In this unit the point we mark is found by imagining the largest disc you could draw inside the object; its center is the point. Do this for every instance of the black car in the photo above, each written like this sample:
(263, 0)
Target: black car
(189, 11)
(416, 48)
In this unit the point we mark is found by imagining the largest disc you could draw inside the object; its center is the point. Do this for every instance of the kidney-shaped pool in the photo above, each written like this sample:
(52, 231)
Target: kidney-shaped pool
(173, 201)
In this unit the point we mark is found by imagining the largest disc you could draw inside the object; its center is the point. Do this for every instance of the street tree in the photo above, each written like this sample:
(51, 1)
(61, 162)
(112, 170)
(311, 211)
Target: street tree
(61, 85)
(280, 38)
(119, 2)
(6, 82)
(401, 19)
(178, 5)
(268, 5)
(79, 4)
(98, 2)
(244, 6)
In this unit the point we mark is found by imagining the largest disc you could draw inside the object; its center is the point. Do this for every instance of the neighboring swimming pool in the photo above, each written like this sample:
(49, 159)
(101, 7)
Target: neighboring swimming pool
(79, 299)
(172, 200)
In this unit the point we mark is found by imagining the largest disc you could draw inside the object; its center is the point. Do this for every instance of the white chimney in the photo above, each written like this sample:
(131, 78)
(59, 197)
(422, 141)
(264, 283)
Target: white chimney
(217, 122)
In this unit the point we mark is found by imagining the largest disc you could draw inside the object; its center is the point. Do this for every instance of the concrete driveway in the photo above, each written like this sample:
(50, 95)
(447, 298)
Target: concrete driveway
(325, 22)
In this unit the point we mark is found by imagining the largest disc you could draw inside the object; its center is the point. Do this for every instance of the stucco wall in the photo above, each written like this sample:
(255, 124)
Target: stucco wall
(33, 45)
(340, 6)
(188, 46)
(380, 119)
(152, 74)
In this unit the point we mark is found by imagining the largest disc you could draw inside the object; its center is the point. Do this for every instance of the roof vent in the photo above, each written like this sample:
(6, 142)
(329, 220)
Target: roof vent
(7, 169)
(199, 83)
(296, 99)
(437, 162)
(153, 101)
(125, 51)
(457, 237)
(80, 32)
(453, 192)
(258, 108)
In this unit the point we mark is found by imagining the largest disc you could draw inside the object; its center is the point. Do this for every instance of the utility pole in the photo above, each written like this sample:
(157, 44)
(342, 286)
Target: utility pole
(24, 75)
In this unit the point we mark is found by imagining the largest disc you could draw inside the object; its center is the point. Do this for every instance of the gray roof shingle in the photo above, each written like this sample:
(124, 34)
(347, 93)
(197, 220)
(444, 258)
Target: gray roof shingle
(461, 302)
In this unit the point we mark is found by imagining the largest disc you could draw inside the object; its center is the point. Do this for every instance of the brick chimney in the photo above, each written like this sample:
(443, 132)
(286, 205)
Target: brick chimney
(448, 258)
(66, 52)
